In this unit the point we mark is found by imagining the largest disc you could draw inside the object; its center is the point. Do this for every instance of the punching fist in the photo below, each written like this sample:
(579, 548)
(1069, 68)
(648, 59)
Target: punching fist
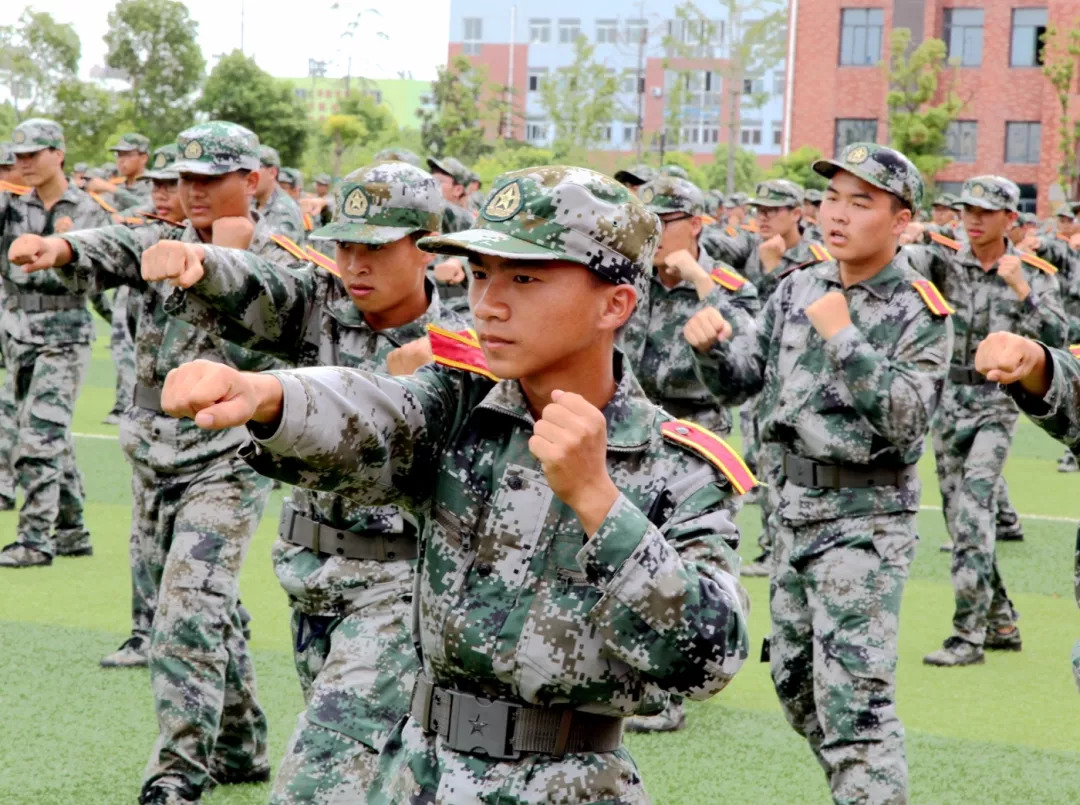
(706, 328)
(217, 396)
(170, 260)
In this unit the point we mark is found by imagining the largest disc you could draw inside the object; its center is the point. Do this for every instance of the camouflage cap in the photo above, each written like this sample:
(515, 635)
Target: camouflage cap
(37, 134)
(674, 170)
(1027, 219)
(667, 194)
(398, 155)
(109, 169)
(322, 178)
(97, 173)
(991, 193)
(217, 148)
(80, 167)
(635, 175)
(560, 212)
(269, 157)
(880, 166)
(451, 167)
(945, 200)
(1074, 206)
(1065, 210)
(132, 141)
(163, 163)
(7, 156)
(813, 196)
(382, 203)
(736, 200)
(288, 176)
(777, 193)
(714, 200)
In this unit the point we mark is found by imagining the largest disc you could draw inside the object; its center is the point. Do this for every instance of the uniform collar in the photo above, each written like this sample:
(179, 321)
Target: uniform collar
(880, 285)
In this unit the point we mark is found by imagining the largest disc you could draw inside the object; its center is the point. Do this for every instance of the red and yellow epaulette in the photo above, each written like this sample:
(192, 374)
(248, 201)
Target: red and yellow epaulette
(731, 231)
(1075, 350)
(1065, 238)
(1038, 262)
(944, 241)
(821, 254)
(726, 278)
(321, 260)
(934, 299)
(109, 208)
(130, 220)
(459, 351)
(16, 189)
(290, 246)
(707, 220)
(713, 449)
(153, 216)
(309, 223)
(117, 180)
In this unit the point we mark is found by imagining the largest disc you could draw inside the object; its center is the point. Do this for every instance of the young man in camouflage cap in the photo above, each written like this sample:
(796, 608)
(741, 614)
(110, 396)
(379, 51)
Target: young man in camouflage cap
(132, 154)
(634, 177)
(677, 171)
(350, 594)
(47, 332)
(684, 279)
(579, 563)
(291, 182)
(282, 214)
(196, 504)
(322, 192)
(850, 362)
(451, 272)
(993, 287)
(809, 222)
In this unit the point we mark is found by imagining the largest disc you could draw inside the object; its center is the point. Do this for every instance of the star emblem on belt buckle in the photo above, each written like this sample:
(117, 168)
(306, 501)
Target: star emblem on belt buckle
(476, 726)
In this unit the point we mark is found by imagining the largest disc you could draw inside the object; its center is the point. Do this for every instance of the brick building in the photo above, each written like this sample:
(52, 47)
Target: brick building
(836, 88)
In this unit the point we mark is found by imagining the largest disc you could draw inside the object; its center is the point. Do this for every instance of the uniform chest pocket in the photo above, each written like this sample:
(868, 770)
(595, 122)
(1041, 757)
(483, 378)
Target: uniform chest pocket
(793, 341)
(513, 525)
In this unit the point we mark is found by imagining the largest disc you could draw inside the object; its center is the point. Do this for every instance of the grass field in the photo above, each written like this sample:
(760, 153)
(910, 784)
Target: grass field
(1005, 732)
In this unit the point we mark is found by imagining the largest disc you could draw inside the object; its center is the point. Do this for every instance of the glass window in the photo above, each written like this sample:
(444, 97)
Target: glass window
(474, 28)
(539, 30)
(1028, 26)
(536, 75)
(1023, 141)
(960, 140)
(750, 135)
(963, 35)
(860, 35)
(1029, 195)
(854, 130)
(777, 134)
(536, 130)
(637, 32)
(569, 30)
(607, 32)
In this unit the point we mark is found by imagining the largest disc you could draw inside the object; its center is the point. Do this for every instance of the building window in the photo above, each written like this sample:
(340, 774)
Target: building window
(536, 130)
(779, 83)
(960, 140)
(536, 75)
(1023, 141)
(1028, 26)
(753, 86)
(750, 135)
(569, 31)
(474, 32)
(860, 36)
(637, 32)
(963, 35)
(1029, 195)
(628, 134)
(710, 135)
(777, 134)
(854, 130)
(607, 32)
(301, 93)
(952, 188)
(603, 134)
(539, 30)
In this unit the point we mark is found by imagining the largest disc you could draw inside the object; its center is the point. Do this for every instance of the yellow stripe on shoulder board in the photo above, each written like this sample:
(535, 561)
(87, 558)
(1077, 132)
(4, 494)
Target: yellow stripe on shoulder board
(1038, 262)
(103, 203)
(1075, 350)
(945, 241)
(821, 254)
(321, 260)
(732, 231)
(289, 246)
(727, 278)
(933, 298)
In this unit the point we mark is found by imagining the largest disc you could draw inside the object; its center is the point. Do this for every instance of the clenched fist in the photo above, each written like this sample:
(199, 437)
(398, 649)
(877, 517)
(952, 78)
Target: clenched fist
(1012, 274)
(706, 328)
(407, 358)
(217, 396)
(312, 206)
(771, 253)
(35, 253)
(234, 232)
(450, 272)
(1010, 358)
(178, 263)
(829, 314)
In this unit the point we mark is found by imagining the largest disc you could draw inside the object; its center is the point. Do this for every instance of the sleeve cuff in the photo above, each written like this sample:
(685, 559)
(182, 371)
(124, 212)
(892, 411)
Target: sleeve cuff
(843, 344)
(1045, 407)
(614, 542)
(289, 429)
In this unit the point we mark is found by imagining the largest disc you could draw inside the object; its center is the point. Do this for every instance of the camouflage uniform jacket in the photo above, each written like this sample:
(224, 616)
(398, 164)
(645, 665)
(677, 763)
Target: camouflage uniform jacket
(112, 256)
(513, 602)
(747, 261)
(865, 397)
(20, 215)
(662, 360)
(305, 317)
(1067, 260)
(456, 218)
(283, 215)
(135, 195)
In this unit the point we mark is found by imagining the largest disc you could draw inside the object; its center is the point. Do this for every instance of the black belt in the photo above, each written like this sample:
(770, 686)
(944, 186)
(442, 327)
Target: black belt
(505, 730)
(296, 529)
(44, 303)
(819, 475)
(148, 397)
(967, 376)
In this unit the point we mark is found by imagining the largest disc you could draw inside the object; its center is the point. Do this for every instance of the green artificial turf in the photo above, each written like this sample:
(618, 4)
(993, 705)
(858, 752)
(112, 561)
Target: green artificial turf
(1004, 732)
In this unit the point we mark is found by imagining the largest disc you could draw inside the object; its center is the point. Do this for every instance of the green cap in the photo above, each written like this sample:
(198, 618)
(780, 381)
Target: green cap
(217, 148)
(813, 196)
(396, 154)
(288, 176)
(1065, 210)
(1074, 206)
(268, 157)
(37, 134)
(635, 175)
(884, 168)
(667, 194)
(674, 170)
(382, 203)
(451, 167)
(945, 200)
(163, 163)
(777, 193)
(132, 141)
(1027, 219)
(736, 200)
(322, 178)
(80, 167)
(559, 212)
(7, 156)
(991, 193)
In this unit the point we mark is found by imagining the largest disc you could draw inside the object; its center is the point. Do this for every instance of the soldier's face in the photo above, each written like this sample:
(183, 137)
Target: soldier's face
(130, 163)
(941, 215)
(1066, 226)
(809, 210)
(291, 190)
(11, 173)
(267, 181)
(678, 231)
(41, 166)
(382, 278)
(859, 221)
(777, 220)
(207, 198)
(166, 198)
(451, 190)
(984, 227)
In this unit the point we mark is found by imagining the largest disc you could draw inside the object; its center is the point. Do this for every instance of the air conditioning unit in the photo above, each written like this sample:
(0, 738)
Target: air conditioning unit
(658, 92)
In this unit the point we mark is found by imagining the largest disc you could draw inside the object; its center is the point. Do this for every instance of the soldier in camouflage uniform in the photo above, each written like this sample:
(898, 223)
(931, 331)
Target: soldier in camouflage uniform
(196, 504)
(993, 287)
(677, 171)
(810, 208)
(601, 574)
(634, 177)
(322, 191)
(9, 171)
(47, 332)
(352, 595)
(397, 154)
(78, 174)
(132, 154)
(450, 273)
(850, 364)
(281, 213)
(291, 182)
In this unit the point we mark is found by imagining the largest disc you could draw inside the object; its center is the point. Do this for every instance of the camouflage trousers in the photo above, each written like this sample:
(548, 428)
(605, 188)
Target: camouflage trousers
(835, 617)
(970, 449)
(209, 722)
(9, 434)
(122, 347)
(357, 673)
(39, 395)
(416, 767)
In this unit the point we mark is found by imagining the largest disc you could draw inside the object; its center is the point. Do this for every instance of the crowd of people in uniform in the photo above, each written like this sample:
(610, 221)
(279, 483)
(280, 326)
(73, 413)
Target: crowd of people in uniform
(510, 532)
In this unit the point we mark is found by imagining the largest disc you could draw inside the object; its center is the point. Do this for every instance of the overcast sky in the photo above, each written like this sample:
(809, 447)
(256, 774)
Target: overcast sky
(282, 36)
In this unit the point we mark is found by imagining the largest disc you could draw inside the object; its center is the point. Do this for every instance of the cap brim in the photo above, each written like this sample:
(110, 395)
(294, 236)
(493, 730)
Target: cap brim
(626, 177)
(163, 175)
(202, 168)
(30, 148)
(771, 202)
(368, 234)
(489, 242)
(123, 148)
(829, 167)
(981, 203)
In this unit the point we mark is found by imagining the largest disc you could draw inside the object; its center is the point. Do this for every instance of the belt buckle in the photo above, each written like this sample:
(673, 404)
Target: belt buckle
(481, 726)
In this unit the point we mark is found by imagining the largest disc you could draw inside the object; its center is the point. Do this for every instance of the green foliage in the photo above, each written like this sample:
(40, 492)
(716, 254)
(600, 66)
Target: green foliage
(1061, 53)
(91, 117)
(579, 100)
(696, 173)
(796, 167)
(917, 125)
(462, 103)
(240, 91)
(510, 155)
(348, 140)
(37, 55)
(154, 43)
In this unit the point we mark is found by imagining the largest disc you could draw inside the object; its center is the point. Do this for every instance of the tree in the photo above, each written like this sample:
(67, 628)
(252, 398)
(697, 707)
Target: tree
(37, 55)
(240, 91)
(686, 162)
(462, 103)
(91, 116)
(1059, 66)
(796, 167)
(579, 100)
(918, 126)
(747, 170)
(693, 36)
(154, 43)
(351, 137)
(510, 155)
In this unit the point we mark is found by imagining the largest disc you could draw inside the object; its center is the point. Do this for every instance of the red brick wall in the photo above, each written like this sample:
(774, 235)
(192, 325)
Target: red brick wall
(497, 60)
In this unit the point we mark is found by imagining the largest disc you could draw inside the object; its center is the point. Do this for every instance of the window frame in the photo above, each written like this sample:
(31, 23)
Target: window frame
(1040, 46)
(1029, 127)
(864, 29)
(947, 35)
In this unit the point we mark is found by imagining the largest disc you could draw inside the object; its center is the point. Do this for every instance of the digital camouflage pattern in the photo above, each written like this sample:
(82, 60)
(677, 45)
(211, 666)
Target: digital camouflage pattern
(451, 167)
(882, 167)
(397, 154)
(635, 175)
(7, 156)
(163, 163)
(132, 141)
(990, 193)
(282, 215)
(37, 134)
(946, 200)
(740, 249)
(674, 170)
(669, 194)
(813, 195)
(736, 200)
(456, 218)
(269, 157)
(217, 148)
(777, 193)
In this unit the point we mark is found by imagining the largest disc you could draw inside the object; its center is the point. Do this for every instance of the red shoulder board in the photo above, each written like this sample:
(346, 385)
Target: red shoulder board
(713, 449)
(1038, 262)
(707, 220)
(104, 204)
(1075, 350)
(309, 223)
(944, 241)
(1059, 236)
(731, 231)
(459, 351)
(821, 254)
(15, 189)
(933, 298)
(321, 260)
(117, 180)
(726, 278)
(290, 246)
(161, 218)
